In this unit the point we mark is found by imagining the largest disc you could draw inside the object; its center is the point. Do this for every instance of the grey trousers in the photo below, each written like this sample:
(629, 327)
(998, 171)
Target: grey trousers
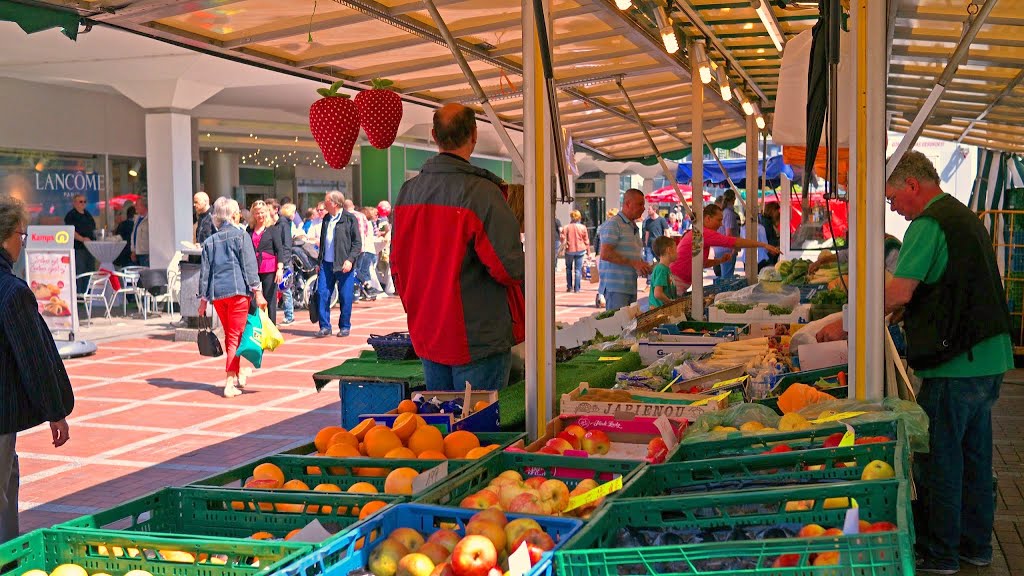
(9, 478)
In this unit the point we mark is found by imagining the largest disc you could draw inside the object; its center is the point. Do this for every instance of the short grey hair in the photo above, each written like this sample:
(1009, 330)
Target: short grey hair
(336, 197)
(224, 209)
(916, 165)
(13, 216)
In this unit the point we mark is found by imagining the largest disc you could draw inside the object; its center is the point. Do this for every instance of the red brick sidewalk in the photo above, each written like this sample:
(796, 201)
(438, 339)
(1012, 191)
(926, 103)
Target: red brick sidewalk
(149, 413)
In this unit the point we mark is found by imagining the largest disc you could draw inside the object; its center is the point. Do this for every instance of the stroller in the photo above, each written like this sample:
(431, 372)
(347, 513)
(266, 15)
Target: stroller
(303, 273)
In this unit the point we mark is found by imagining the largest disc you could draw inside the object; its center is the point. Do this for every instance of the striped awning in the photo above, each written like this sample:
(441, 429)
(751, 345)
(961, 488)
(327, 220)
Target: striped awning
(997, 173)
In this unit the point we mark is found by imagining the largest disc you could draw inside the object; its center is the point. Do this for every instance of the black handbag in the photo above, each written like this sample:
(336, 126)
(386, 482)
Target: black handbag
(209, 344)
(314, 305)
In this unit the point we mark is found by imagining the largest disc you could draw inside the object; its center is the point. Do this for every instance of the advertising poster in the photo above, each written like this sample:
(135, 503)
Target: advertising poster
(50, 273)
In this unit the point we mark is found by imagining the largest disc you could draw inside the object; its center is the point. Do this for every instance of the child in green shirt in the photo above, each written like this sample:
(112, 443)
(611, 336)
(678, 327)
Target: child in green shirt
(663, 290)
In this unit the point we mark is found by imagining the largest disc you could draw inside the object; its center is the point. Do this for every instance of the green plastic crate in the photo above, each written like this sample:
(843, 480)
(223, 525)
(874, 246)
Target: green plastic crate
(764, 471)
(323, 470)
(502, 439)
(749, 444)
(46, 549)
(595, 551)
(213, 512)
(568, 469)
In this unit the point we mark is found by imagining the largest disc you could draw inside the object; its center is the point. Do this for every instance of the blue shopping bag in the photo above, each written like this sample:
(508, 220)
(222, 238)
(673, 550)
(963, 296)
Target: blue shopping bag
(251, 345)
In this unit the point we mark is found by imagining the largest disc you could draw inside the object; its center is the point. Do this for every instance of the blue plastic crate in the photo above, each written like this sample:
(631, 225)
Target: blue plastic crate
(351, 552)
(367, 397)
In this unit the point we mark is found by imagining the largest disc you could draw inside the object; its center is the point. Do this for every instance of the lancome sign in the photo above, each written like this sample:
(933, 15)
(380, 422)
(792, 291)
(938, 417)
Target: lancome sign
(69, 181)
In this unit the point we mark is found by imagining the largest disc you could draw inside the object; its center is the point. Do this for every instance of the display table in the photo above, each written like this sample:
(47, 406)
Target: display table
(106, 251)
(367, 368)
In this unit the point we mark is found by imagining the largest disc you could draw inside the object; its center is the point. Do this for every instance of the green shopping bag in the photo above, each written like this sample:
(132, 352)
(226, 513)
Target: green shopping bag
(251, 345)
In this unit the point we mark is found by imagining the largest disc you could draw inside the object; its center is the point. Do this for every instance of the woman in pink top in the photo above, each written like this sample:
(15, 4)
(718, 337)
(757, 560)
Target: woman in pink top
(577, 243)
(270, 255)
(682, 268)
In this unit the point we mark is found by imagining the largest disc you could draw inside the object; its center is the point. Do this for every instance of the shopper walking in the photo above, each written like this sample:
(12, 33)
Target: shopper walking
(340, 246)
(458, 263)
(731, 228)
(957, 326)
(228, 277)
(577, 244)
(655, 226)
(270, 255)
(622, 253)
(35, 387)
(85, 231)
(204, 221)
(140, 233)
(288, 230)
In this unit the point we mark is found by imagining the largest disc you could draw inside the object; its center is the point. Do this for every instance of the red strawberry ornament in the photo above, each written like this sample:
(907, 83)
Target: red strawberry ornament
(334, 122)
(380, 113)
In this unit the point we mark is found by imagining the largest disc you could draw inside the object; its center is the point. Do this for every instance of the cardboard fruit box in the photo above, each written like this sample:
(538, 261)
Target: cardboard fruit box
(584, 400)
(484, 420)
(628, 435)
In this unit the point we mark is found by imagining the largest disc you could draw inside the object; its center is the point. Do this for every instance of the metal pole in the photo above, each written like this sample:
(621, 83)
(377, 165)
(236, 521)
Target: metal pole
(540, 296)
(513, 152)
(753, 191)
(910, 138)
(669, 175)
(697, 153)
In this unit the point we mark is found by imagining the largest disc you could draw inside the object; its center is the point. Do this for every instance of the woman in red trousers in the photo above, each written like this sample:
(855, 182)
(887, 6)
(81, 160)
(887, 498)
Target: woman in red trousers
(228, 278)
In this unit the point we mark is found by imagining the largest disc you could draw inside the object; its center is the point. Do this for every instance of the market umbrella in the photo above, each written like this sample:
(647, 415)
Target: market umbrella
(817, 86)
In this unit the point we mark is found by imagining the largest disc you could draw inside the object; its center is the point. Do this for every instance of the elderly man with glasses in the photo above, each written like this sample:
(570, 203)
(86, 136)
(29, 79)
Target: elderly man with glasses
(85, 231)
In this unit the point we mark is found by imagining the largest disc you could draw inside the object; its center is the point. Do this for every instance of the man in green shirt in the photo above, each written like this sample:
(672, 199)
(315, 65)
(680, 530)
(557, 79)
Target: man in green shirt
(959, 343)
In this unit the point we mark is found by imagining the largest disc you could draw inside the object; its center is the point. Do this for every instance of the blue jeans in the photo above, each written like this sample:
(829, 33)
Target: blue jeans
(955, 507)
(289, 303)
(326, 282)
(573, 270)
(729, 267)
(489, 373)
(649, 254)
(616, 300)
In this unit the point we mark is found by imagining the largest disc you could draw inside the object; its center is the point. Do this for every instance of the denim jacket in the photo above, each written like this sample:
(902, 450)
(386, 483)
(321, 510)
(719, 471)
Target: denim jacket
(228, 265)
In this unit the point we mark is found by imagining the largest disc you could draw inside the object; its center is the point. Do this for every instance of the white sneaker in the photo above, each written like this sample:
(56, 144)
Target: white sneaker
(230, 391)
(243, 377)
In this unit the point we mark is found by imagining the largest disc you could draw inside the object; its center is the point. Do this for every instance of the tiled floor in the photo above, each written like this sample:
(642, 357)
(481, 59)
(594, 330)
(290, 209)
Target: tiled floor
(149, 414)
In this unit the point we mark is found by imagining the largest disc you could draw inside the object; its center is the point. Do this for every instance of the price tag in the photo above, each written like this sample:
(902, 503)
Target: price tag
(852, 523)
(667, 433)
(314, 533)
(428, 478)
(835, 417)
(609, 358)
(595, 494)
(739, 380)
(849, 438)
(519, 561)
(718, 398)
(671, 384)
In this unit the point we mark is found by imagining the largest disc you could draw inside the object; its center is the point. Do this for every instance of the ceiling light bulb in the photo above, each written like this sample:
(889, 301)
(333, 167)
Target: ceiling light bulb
(703, 65)
(760, 122)
(623, 4)
(723, 83)
(668, 36)
(726, 92)
(748, 108)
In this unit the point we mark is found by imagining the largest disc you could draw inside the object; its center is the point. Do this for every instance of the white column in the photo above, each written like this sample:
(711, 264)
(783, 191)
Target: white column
(648, 186)
(697, 154)
(540, 287)
(867, 206)
(750, 265)
(612, 192)
(169, 183)
(221, 174)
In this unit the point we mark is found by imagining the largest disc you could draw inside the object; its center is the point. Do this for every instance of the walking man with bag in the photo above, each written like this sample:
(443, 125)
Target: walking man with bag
(340, 246)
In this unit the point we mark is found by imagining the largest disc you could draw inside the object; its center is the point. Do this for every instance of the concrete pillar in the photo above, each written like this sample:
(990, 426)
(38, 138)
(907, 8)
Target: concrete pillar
(648, 186)
(612, 192)
(221, 174)
(169, 183)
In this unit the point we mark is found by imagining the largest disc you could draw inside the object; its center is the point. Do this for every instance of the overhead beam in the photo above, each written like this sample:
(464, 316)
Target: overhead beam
(149, 10)
(957, 16)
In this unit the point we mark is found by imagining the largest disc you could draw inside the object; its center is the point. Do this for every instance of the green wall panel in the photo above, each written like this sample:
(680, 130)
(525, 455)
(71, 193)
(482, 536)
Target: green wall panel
(255, 177)
(373, 171)
(397, 170)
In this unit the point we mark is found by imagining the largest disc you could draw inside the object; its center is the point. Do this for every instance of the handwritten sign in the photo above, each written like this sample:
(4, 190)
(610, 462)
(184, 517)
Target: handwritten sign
(849, 438)
(428, 478)
(595, 494)
(519, 561)
(667, 433)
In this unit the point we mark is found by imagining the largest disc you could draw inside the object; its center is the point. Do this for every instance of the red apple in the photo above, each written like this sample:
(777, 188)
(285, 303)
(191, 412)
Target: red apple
(781, 448)
(596, 442)
(786, 561)
(408, 537)
(474, 556)
(811, 531)
(833, 532)
(657, 450)
(384, 559)
(537, 543)
(447, 538)
(526, 503)
(437, 553)
(481, 500)
(548, 450)
(559, 444)
(833, 440)
(826, 559)
(881, 527)
(571, 438)
(493, 532)
(415, 564)
(444, 569)
(535, 482)
(491, 515)
(520, 526)
(509, 493)
(864, 526)
(576, 430)
(554, 496)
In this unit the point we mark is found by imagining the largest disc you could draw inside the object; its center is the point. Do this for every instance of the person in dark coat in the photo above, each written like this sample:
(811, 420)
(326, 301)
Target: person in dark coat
(341, 244)
(34, 386)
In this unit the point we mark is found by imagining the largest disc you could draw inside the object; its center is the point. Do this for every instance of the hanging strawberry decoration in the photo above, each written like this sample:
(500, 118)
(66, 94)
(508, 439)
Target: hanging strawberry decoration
(380, 113)
(334, 122)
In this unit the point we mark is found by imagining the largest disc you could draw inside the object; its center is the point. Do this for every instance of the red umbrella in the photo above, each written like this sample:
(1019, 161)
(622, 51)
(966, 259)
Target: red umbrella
(667, 195)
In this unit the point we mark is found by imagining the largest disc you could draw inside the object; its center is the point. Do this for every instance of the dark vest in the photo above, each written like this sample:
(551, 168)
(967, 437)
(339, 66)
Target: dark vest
(967, 305)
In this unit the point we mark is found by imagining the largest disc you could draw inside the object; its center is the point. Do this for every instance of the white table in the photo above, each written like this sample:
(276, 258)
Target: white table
(106, 251)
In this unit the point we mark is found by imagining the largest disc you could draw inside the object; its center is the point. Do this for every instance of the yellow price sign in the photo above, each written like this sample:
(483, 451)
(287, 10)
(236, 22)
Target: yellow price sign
(594, 495)
(836, 417)
(718, 398)
(849, 438)
(724, 383)
(609, 358)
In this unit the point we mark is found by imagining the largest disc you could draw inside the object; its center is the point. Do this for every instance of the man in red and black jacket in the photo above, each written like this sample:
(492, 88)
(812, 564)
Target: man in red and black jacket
(458, 263)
